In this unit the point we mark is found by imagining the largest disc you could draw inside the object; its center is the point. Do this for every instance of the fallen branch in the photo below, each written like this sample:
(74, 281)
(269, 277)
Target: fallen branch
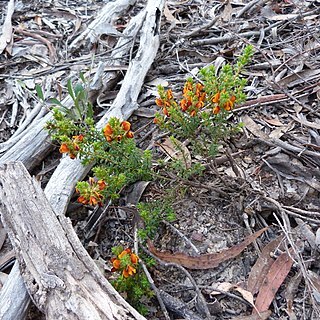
(59, 274)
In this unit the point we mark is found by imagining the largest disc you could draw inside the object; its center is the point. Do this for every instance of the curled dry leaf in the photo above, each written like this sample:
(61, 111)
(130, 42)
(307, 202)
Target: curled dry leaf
(176, 150)
(227, 286)
(204, 261)
(262, 266)
(272, 282)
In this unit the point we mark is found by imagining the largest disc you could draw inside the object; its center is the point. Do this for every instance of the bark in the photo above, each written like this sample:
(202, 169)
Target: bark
(12, 292)
(59, 274)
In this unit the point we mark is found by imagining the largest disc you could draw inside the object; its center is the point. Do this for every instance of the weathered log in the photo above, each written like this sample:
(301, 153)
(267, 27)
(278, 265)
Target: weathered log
(59, 274)
(11, 292)
(33, 144)
(105, 17)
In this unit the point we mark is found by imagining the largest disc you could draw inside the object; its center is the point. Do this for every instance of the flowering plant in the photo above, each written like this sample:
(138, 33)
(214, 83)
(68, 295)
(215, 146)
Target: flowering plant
(126, 262)
(116, 158)
(202, 112)
(131, 280)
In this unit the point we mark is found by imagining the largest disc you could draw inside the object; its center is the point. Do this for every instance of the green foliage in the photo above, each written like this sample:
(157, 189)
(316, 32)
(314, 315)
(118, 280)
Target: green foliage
(201, 116)
(136, 289)
(152, 213)
(118, 161)
(131, 280)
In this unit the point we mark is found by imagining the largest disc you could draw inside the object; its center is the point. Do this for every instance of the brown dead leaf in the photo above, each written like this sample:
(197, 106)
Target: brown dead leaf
(274, 122)
(253, 127)
(299, 77)
(227, 286)
(169, 16)
(204, 261)
(261, 316)
(247, 295)
(176, 150)
(227, 12)
(272, 282)
(262, 265)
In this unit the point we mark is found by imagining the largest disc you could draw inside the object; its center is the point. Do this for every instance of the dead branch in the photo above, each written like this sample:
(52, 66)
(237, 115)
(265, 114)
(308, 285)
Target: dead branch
(59, 274)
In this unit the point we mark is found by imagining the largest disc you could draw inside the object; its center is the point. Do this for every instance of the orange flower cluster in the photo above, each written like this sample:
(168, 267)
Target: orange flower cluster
(111, 133)
(165, 101)
(125, 262)
(227, 106)
(193, 98)
(72, 148)
(93, 194)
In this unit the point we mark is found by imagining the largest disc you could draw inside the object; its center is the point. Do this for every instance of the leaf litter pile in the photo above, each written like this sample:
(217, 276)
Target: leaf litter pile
(245, 242)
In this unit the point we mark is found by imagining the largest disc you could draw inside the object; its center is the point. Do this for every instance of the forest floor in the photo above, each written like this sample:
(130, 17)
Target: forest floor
(266, 176)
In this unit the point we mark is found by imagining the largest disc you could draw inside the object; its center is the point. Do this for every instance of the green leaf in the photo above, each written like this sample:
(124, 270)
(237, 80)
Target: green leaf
(78, 89)
(39, 92)
(70, 89)
(81, 76)
(56, 102)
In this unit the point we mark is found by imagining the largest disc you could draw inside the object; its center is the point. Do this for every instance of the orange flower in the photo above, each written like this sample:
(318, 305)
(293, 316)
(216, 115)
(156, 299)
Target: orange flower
(165, 111)
(82, 200)
(116, 263)
(107, 130)
(93, 201)
(129, 271)
(121, 263)
(193, 113)
(216, 110)
(159, 102)
(187, 88)
(108, 138)
(199, 88)
(129, 134)
(125, 125)
(184, 104)
(134, 258)
(124, 252)
(102, 185)
(199, 104)
(78, 138)
(216, 98)
(169, 94)
(64, 148)
(230, 103)
(228, 106)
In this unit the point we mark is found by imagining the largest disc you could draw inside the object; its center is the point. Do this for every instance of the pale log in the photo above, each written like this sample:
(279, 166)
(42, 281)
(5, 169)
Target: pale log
(60, 276)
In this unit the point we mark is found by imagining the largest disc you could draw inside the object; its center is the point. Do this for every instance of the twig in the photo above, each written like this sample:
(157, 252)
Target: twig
(230, 37)
(156, 290)
(298, 210)
(205, 27)
(201, 298)
(188, 241)
(52, 51)
(247, 7)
